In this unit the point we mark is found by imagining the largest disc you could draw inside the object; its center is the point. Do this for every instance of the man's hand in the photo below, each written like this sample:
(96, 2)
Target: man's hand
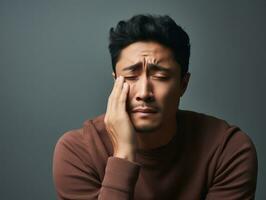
(118, 123)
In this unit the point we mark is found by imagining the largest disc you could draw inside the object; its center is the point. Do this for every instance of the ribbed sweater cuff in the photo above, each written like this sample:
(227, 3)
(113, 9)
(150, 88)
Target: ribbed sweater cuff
(121, 174)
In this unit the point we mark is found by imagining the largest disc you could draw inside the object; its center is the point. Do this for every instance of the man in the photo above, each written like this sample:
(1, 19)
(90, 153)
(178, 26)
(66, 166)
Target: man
(144, 146)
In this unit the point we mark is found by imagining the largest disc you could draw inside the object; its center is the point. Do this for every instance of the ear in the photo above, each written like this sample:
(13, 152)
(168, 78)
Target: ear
(184, 83)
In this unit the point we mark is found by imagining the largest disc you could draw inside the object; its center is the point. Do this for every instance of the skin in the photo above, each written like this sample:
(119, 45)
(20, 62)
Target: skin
(144, 85)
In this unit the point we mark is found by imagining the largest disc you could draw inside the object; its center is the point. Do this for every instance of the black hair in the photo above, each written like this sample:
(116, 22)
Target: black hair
(157, 28)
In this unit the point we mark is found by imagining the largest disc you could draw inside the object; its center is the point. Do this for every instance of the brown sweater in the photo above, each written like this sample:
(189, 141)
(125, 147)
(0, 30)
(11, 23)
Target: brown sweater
(206, 159)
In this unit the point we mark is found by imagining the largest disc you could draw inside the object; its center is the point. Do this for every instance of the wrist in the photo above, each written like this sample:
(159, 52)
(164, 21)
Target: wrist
(126, 153)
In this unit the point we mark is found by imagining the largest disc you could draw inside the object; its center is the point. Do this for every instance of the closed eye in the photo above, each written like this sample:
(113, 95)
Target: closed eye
(154, 77)
(161, 77)
(131, 78)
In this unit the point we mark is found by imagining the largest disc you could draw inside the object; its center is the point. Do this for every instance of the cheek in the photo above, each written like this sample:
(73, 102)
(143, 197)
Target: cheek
(164, 93)
(168, 97)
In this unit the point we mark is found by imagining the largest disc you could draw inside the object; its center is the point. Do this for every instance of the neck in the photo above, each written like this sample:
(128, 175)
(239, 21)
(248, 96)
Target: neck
(159, 137)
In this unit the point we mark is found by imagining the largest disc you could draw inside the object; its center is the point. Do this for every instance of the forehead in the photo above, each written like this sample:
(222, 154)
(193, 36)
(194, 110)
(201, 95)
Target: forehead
(146, 52)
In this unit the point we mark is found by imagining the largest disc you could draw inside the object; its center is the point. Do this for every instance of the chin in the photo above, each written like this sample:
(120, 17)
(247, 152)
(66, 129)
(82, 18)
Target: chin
(146, 125)
(145, 129)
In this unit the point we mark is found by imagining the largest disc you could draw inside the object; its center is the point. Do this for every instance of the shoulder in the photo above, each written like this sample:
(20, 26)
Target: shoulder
(94, 132)
(86, 141)
(202, 127)
(71, 147)
(202, 121)
(94, 125)
(91, 127)
(212, 132)
(225, 150)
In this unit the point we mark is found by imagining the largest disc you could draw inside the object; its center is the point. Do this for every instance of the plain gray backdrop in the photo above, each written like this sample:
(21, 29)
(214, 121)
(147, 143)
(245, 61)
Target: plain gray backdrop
(55, 72)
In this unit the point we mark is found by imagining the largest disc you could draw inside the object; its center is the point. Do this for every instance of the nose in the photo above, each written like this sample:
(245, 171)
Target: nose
(144, 90)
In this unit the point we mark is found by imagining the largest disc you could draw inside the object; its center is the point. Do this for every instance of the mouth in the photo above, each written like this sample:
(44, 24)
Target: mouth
(147, 111)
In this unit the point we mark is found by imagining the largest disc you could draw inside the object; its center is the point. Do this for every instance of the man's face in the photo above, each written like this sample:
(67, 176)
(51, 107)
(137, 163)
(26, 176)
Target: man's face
(155, 84)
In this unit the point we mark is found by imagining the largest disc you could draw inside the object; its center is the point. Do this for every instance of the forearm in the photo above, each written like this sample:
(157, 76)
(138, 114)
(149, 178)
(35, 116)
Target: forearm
(74, 180)
(126, 152)
(120, 179)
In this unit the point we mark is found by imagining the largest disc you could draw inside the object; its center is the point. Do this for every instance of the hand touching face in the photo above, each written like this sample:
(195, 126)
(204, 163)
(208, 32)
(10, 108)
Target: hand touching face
(155, 85)
(117, 121)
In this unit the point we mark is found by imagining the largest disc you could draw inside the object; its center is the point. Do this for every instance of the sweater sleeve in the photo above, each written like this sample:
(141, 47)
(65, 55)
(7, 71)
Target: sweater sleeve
(76, 179)
(236, 171)
(120, 179)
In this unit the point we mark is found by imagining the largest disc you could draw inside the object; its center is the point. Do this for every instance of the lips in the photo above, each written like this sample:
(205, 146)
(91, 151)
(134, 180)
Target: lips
(144, 110)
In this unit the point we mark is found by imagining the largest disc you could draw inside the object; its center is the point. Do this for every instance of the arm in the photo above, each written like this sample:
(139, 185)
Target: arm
(119, 180)
(123, 137)
(236, 172)
(75, 178)
(118, 124)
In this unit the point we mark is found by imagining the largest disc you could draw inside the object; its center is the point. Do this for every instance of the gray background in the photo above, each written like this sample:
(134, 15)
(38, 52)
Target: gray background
(55, 72)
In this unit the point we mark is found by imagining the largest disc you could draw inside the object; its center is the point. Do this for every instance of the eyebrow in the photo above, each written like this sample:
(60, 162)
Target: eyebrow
(131, 67)
(151, 66)
(156, 67)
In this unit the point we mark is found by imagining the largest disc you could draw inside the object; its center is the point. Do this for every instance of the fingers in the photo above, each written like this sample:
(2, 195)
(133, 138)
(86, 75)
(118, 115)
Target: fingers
(118, 95)
(123, 96)
(118, 87)
(114, 91)
(117, 121)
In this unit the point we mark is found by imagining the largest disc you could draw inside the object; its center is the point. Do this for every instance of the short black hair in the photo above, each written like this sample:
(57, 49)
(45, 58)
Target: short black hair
(157, 28)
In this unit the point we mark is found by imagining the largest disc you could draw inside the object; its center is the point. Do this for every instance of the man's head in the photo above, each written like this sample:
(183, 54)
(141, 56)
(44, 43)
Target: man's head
(152, 53)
